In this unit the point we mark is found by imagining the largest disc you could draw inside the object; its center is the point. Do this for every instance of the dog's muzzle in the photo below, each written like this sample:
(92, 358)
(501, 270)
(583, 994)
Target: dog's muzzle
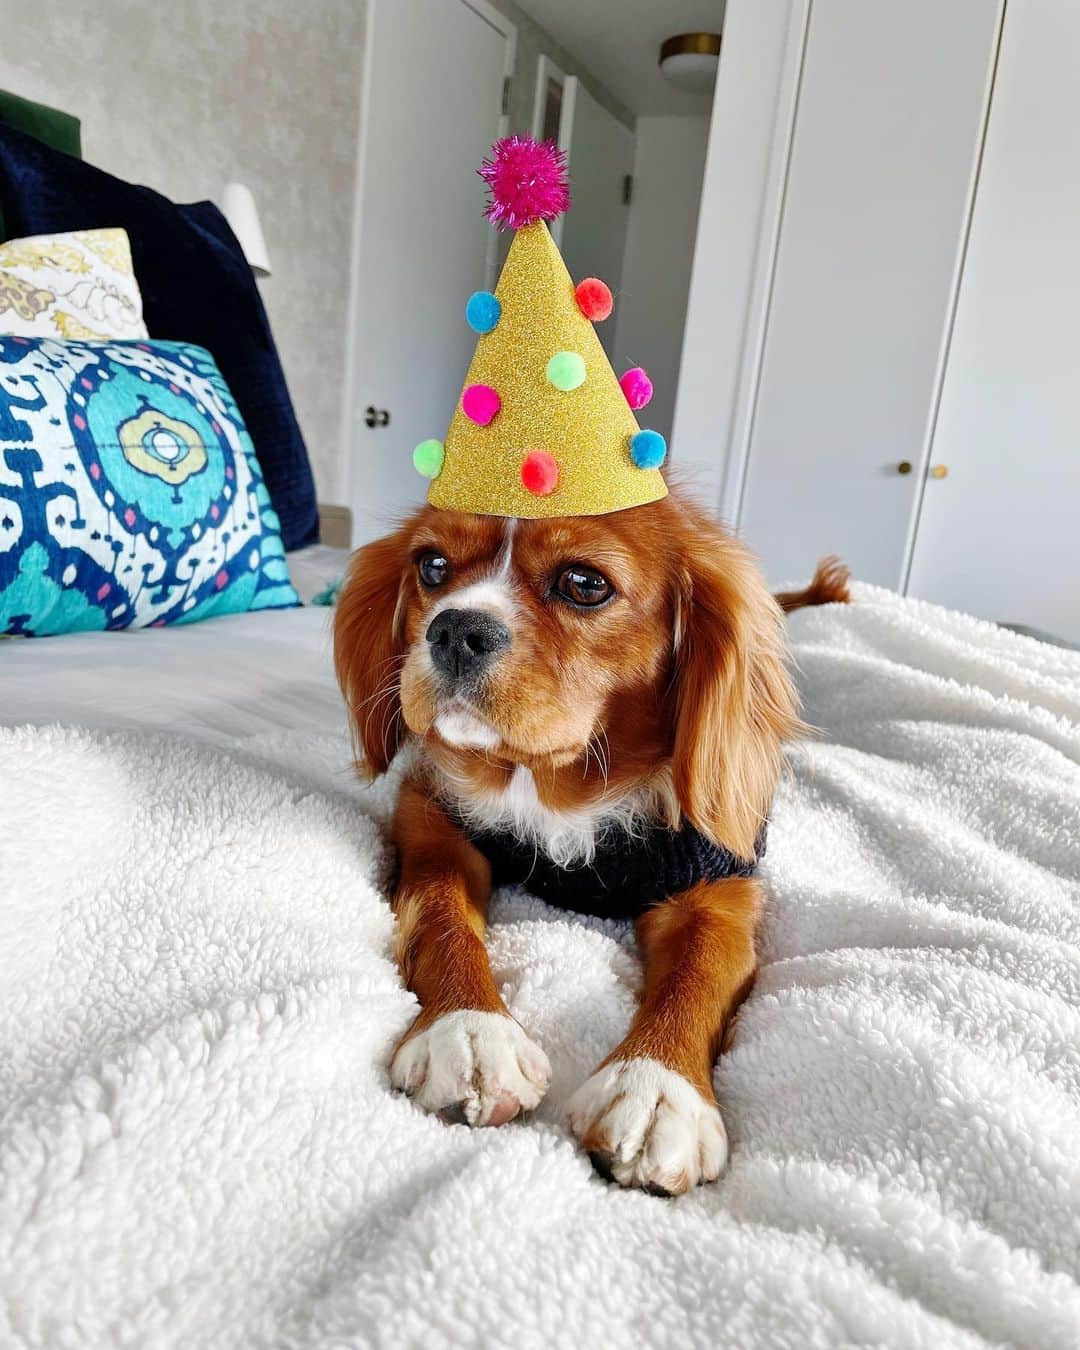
(464, 642)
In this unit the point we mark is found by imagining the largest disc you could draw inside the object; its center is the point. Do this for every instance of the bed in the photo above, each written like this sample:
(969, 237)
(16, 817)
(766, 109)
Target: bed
(218, 682)
(198, 1145)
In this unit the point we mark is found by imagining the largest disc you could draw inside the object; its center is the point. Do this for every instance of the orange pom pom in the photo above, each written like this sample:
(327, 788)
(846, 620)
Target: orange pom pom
(593, 299)
(539, 473)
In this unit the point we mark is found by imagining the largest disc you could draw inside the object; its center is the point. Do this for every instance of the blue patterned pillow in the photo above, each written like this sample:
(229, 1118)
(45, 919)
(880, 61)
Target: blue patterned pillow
(130, 495)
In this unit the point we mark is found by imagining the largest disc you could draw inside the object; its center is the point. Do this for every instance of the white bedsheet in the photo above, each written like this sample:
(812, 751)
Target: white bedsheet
(223, 680)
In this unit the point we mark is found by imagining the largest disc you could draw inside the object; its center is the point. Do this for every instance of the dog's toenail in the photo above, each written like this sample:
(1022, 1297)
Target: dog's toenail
(654, 1188)
(603, 1164)
(453, 1115)
(504, 1110)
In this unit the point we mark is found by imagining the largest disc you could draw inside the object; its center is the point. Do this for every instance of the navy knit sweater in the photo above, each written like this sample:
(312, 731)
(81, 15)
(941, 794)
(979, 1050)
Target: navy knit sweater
(627, 875)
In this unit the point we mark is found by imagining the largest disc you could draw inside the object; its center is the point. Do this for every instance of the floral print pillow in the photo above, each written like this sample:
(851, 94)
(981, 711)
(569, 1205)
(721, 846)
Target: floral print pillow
(76, 285)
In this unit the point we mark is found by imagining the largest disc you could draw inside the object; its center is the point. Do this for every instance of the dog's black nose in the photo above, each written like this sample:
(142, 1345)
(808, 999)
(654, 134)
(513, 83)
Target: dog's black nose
(464, 641)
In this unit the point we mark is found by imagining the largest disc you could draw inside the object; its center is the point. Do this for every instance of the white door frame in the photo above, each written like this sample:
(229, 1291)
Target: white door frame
(545, 69)
(742, 204)
(508, 30)
(926, 449)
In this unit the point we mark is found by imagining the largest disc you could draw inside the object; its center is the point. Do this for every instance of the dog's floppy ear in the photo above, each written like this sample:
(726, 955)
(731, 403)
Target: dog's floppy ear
(369, 647)
(735, 702)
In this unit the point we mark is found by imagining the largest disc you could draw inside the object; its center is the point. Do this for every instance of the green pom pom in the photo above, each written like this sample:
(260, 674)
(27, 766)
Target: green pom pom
(428, 458)
(566, 370)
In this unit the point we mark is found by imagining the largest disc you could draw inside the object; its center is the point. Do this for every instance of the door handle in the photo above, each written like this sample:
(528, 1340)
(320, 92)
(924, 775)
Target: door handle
(939, 471)
(376, 417)
(904, 466)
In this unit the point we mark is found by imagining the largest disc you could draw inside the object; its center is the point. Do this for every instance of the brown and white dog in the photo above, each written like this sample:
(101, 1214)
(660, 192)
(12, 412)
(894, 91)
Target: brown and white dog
(558, 679)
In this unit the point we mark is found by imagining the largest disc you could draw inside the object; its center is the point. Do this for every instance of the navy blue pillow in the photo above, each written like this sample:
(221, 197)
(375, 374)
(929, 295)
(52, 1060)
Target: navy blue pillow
(196, 286)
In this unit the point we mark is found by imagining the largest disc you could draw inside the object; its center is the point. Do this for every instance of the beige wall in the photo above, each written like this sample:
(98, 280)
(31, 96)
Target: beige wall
(184, 97)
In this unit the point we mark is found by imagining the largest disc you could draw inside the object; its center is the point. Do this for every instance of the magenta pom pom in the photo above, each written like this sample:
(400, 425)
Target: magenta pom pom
(637, 387)
(539, 473)
(480, 403)
(594, 299)
(527, 182)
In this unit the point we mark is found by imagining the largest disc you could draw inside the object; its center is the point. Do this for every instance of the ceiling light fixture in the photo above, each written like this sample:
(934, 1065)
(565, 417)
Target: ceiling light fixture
(689, 61)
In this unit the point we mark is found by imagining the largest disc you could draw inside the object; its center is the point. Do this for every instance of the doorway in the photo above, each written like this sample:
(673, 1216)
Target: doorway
(434, 81)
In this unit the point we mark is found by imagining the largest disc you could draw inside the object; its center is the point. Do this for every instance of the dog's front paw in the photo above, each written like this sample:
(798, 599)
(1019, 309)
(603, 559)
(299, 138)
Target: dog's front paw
(644, 1125)
(479, 1067)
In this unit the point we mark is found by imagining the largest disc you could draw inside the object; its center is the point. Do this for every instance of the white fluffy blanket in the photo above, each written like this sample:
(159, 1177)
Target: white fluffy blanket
(198, 1146)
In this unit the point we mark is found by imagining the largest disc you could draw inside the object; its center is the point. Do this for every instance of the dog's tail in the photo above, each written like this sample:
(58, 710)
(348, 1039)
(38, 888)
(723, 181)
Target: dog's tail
(829, 586)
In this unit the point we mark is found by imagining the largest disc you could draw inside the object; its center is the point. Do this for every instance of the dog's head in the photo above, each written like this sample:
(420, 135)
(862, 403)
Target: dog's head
(645, 638)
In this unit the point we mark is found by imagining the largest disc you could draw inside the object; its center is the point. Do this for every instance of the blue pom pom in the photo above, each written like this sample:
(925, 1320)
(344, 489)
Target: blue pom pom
(482, 311)
(647, 449)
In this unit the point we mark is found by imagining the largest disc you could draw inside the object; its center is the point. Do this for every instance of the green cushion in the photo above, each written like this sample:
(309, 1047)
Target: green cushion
(57, 129)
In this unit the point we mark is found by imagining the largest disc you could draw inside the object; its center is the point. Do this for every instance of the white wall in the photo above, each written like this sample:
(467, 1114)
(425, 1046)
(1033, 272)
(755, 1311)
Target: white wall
(650, 313)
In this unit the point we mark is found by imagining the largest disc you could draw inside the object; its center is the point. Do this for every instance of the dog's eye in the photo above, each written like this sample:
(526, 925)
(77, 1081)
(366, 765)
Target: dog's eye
(583, 586)
(433, 568)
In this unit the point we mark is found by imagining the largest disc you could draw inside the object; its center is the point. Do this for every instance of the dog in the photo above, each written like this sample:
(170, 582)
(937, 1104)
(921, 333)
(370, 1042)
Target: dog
(596, 706)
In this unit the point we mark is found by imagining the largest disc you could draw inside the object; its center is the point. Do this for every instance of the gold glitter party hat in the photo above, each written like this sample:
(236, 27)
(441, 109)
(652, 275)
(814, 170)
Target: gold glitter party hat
(543, 426)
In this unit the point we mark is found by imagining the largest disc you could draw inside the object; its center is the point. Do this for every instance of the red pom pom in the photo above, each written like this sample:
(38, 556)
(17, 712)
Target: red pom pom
(527, 182)
(637, 387)
(480, 403)
(539, 473)
(593, 299)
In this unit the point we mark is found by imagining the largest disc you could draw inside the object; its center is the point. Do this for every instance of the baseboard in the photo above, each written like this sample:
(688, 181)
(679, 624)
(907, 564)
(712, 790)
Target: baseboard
(335, 525)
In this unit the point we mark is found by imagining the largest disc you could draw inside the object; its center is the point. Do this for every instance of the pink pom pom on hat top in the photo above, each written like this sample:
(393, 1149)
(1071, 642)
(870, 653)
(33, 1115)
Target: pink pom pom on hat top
(527, 182)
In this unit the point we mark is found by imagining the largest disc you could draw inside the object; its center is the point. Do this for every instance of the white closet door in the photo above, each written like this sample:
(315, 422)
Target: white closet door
(890, 113)
(999, 536)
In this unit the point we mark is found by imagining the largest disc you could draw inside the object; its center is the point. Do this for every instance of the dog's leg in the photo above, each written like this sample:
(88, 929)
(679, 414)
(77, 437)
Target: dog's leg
(464, 1056)
(648, 1116)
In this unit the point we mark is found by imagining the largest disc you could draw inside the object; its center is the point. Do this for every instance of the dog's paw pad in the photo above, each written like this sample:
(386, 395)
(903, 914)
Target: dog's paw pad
(473, 1067)
(644, 1125)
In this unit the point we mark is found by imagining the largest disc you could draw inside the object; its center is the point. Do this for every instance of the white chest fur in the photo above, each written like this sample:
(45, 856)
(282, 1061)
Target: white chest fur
(565, 837)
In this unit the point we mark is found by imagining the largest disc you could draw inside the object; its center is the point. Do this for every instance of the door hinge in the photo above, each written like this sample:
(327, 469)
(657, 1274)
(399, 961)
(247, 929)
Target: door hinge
(507, 82)
(627, 188)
